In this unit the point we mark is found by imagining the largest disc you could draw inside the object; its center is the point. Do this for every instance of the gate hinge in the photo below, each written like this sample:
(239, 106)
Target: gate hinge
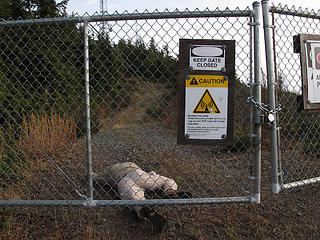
(252, 135)
(253, 24)
(269, 26)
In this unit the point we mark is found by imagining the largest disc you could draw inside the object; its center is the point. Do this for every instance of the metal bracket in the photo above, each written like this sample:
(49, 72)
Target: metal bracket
(89, 203)
(252, 135)
(253, 24)
(254, 84)
(270, 26)
(276, 110)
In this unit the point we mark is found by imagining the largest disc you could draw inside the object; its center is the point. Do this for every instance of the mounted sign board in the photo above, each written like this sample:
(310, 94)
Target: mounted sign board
(207, 57)
(206, 107)
(309, 48)
(205, 99)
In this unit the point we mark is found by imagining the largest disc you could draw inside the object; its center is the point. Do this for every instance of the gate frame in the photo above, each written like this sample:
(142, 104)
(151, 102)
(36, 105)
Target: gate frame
(255, 123)
(277, 185)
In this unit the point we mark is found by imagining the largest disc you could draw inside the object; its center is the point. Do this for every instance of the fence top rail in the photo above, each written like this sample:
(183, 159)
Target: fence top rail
(133, 16)
(295, 12)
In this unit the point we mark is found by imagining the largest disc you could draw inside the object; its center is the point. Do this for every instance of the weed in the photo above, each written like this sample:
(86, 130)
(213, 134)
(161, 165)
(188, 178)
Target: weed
(157, 109)
(47, 135)
(4, 221)
(240, 141)
(12, 159)
(312, 146)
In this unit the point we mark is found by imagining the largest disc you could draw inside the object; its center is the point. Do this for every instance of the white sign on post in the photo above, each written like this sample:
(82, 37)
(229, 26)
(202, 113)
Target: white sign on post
(207, 57)
(313, 70)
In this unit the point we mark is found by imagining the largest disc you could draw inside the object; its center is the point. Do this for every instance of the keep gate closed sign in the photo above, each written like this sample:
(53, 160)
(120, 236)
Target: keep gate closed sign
(207, 57)
(205, 98)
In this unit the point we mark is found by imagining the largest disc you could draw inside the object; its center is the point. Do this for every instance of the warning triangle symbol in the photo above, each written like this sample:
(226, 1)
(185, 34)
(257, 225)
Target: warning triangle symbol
(206, 104)
(194, 81)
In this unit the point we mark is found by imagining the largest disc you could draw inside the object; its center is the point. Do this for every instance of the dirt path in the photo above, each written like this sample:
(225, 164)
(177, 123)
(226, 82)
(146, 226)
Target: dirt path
(144, 94)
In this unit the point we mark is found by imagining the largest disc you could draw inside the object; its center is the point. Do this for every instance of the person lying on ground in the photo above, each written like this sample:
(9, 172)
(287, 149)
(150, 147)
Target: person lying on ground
(131, 182)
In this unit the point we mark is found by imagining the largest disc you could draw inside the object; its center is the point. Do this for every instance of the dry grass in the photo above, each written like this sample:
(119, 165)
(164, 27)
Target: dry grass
(40, 158)
(288, 216)
(47, 135)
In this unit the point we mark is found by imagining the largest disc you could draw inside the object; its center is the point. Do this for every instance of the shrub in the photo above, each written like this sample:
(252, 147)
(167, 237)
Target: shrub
(157, 109)
(47, 136)
(241, 141)
(12, 159)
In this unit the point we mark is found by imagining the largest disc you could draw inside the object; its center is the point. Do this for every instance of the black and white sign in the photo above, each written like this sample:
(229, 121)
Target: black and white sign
(206, 89)
(308, 46)
(207, 57)
(206, 108)
(313, 70)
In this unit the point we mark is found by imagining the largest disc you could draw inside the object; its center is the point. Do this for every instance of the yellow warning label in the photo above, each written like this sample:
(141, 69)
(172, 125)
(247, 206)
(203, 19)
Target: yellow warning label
(206, 104)
(206, 81)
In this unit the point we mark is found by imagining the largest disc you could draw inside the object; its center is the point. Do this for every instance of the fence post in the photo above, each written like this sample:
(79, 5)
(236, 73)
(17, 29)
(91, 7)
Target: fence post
(87, 90)
(257, 111)
(271, 94)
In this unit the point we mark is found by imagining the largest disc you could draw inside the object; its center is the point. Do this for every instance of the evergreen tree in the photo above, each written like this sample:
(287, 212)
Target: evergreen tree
(13, 9)
(21, 9)
(40, 64)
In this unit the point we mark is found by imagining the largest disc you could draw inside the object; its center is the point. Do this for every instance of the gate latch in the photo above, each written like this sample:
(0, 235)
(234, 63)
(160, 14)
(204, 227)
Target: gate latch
(270, 114)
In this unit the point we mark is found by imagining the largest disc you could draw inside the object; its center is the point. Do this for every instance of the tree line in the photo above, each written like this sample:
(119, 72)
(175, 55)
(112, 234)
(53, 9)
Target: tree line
(42, 65)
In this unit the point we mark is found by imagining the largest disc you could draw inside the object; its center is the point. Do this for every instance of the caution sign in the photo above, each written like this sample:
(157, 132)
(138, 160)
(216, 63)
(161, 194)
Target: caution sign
(206, 104)
(206, 89)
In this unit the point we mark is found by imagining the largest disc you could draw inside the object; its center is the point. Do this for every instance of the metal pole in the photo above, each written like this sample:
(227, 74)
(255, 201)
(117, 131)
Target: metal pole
(87, 90)
(257, 111)
(251, 107)
(271, 92)
(130, 16)
(125, 203)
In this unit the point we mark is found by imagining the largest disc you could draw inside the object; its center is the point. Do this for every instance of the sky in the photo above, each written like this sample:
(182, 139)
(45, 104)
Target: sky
(91, 6)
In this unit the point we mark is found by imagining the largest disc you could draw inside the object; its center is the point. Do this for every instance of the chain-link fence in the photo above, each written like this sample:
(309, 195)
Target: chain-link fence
(80, 94)
(131, 61)
(299, 162)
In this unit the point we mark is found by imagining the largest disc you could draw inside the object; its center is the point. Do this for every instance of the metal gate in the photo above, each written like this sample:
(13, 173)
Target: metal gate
(295, 150)
(81, 93)
(57, 129)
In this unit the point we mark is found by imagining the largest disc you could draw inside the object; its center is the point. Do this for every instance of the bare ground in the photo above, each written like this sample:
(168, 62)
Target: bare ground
(291, 214)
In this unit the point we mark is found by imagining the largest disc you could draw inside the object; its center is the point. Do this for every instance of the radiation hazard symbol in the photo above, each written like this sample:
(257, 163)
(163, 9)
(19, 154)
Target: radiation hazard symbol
(206, 104)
